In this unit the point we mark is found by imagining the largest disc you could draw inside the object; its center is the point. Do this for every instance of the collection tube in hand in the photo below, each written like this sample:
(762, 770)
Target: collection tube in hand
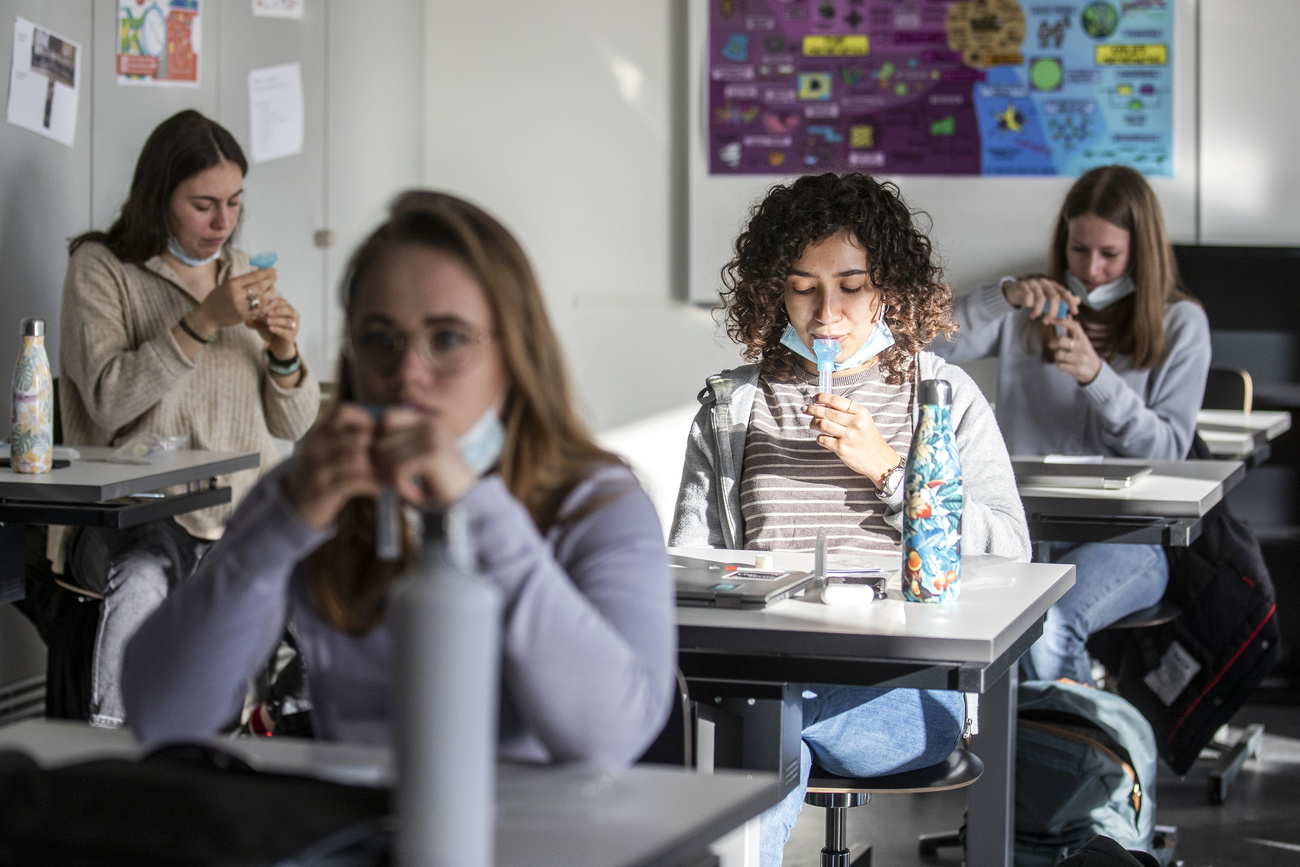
(388, 514)
(825, 349)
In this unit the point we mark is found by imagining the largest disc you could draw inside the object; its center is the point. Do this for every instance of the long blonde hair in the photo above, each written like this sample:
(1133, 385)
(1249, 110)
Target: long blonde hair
(1134, 325)
(547, 448)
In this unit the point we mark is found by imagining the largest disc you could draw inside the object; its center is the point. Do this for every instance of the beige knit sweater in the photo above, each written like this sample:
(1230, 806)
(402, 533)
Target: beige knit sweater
(124, 375)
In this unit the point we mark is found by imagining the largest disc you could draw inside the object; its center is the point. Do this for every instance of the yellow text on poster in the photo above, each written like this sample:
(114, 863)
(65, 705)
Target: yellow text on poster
(1132, 55)
(852, 45)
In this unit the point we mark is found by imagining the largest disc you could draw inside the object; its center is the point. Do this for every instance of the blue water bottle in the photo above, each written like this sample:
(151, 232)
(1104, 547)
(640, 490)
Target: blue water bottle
(932, 501)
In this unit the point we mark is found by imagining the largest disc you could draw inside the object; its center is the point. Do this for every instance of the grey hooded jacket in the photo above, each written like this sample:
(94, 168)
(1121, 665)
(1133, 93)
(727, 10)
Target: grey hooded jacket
(708, 501)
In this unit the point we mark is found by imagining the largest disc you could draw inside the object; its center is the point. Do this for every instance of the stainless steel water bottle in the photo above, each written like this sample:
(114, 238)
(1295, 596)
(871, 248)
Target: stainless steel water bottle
(447, 628)
(31, 432)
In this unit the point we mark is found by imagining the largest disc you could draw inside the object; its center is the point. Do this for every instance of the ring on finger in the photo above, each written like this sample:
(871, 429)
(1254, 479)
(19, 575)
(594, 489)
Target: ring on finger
(254, 302)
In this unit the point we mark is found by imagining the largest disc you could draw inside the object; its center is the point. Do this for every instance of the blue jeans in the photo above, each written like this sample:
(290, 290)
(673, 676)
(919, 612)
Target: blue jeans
(861, 731)
(1111, 581)
(133, 569)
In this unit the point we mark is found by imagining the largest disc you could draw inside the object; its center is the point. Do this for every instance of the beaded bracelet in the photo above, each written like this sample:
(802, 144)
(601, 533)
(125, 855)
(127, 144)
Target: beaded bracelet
(188, 329)
(283, 368)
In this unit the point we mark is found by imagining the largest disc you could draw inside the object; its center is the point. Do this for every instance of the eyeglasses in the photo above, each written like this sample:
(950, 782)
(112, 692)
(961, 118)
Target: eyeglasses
(445, 348)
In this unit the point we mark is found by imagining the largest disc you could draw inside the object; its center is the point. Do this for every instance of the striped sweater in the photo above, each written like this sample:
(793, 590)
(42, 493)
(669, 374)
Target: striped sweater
(123, 374)
(791, 487)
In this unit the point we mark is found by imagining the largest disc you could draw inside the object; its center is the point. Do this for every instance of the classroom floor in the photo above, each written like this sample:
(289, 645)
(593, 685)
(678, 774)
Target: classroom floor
(1258, 825)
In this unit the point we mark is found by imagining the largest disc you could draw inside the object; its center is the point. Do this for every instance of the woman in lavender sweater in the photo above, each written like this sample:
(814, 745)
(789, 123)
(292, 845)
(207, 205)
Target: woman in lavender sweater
(446, 327)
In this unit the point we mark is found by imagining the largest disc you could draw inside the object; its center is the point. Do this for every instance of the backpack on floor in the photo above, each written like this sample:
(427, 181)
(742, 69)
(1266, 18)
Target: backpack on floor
(1085, 765)
(1189, 676)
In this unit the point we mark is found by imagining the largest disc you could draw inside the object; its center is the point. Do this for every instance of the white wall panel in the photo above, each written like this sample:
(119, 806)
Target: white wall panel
(1250, 177)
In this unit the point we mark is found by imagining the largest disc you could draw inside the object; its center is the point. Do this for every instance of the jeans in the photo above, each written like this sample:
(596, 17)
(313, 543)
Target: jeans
(861, 731)
(1111, 580)
(134, 569)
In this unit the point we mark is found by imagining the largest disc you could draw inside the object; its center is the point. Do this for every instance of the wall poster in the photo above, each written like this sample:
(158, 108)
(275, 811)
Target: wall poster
(158, 42)
(940, 87)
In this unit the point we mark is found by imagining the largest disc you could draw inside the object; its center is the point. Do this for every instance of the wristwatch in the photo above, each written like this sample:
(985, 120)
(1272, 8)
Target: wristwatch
(893, 479)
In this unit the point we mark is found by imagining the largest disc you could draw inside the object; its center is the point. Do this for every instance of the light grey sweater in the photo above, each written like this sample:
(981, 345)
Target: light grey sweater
(1122, 413)
(708, 501)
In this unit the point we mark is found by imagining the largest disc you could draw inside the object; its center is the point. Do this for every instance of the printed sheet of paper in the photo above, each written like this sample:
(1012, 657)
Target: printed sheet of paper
(275, 112)
(278, 9)
(158, 42)
(44, 80)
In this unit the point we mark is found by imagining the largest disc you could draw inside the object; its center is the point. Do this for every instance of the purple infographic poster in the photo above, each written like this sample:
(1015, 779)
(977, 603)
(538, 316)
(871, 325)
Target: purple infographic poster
(939, 87)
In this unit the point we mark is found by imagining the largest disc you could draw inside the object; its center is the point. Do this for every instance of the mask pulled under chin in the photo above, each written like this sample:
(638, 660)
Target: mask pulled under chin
(880, 339)
(1103, 296)
(482, 444)
(174, 247)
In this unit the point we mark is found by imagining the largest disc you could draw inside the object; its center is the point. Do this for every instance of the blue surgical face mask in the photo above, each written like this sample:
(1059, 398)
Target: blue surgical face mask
(174, 247)
(481, 445)
(880, 339)
(1103, 296)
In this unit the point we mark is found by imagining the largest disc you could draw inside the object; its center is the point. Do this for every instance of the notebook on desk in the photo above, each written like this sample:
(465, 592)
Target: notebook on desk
(1057, 475)
(724, 585)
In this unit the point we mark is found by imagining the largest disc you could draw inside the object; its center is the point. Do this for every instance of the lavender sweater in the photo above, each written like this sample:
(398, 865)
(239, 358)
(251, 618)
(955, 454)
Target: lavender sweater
(588, 638)
(1123, 412)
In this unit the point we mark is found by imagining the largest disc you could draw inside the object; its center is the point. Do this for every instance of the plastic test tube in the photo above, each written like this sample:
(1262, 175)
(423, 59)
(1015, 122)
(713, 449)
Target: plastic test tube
(1062, 311)
(825, 349)
(388, 518)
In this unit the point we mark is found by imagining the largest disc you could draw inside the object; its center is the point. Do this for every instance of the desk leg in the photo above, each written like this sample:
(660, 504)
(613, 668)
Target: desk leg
(13, 575)
(755, 727)
(991, 802)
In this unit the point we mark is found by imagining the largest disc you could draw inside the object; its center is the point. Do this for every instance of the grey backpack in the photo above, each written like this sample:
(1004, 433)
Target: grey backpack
(1085, 765)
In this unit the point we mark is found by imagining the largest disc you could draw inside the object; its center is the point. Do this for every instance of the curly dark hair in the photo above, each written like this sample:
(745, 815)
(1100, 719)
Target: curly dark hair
(811, 209)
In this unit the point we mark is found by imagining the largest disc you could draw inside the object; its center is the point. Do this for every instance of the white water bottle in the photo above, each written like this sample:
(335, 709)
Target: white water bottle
(31, 434)
(446, 626)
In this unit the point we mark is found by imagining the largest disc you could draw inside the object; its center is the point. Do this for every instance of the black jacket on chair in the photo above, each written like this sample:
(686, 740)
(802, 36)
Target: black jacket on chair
(1189, 676)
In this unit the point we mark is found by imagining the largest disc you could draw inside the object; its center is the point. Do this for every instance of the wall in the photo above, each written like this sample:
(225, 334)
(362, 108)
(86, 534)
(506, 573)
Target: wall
(563, 119)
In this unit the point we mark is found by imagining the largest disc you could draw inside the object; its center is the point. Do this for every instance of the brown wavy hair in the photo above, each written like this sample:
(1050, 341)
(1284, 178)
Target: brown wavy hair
(547, 449)
(1133, 325)
(900, 260)
(179, 148)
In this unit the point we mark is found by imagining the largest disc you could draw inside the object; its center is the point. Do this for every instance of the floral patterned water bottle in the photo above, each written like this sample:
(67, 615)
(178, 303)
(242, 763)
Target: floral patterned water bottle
(31, 434)
(932, 503)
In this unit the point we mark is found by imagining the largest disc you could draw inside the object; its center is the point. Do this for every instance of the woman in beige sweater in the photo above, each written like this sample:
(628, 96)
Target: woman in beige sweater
(168, 332)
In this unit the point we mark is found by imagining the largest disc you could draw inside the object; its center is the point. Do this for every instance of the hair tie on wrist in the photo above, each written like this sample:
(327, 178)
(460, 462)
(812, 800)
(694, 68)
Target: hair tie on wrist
(283, 368)
(188, 329)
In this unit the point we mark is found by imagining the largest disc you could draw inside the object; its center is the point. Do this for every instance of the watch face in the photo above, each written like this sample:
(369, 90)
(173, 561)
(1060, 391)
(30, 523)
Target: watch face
(892, 481)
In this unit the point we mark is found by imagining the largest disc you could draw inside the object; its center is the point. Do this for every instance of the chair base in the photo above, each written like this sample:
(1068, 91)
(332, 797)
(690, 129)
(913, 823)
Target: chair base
(844, 858)
(1231, 758)
(929, 844)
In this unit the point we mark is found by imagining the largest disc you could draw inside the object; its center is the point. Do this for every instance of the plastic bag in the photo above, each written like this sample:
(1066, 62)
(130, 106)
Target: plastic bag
(143, 449)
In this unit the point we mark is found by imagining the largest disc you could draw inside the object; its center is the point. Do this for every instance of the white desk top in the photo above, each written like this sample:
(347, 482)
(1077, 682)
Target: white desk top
(583, 817)
(1270, 423)
(1175, 489)
(90, 480)
(998, 598)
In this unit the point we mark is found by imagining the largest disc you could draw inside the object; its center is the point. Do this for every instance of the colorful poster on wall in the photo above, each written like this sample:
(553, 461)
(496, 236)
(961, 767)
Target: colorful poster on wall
(940, 87)
(158, 42)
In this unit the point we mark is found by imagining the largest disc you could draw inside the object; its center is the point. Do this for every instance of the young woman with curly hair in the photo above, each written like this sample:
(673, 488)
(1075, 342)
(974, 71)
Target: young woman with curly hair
(1103, 356)
(770, 461)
